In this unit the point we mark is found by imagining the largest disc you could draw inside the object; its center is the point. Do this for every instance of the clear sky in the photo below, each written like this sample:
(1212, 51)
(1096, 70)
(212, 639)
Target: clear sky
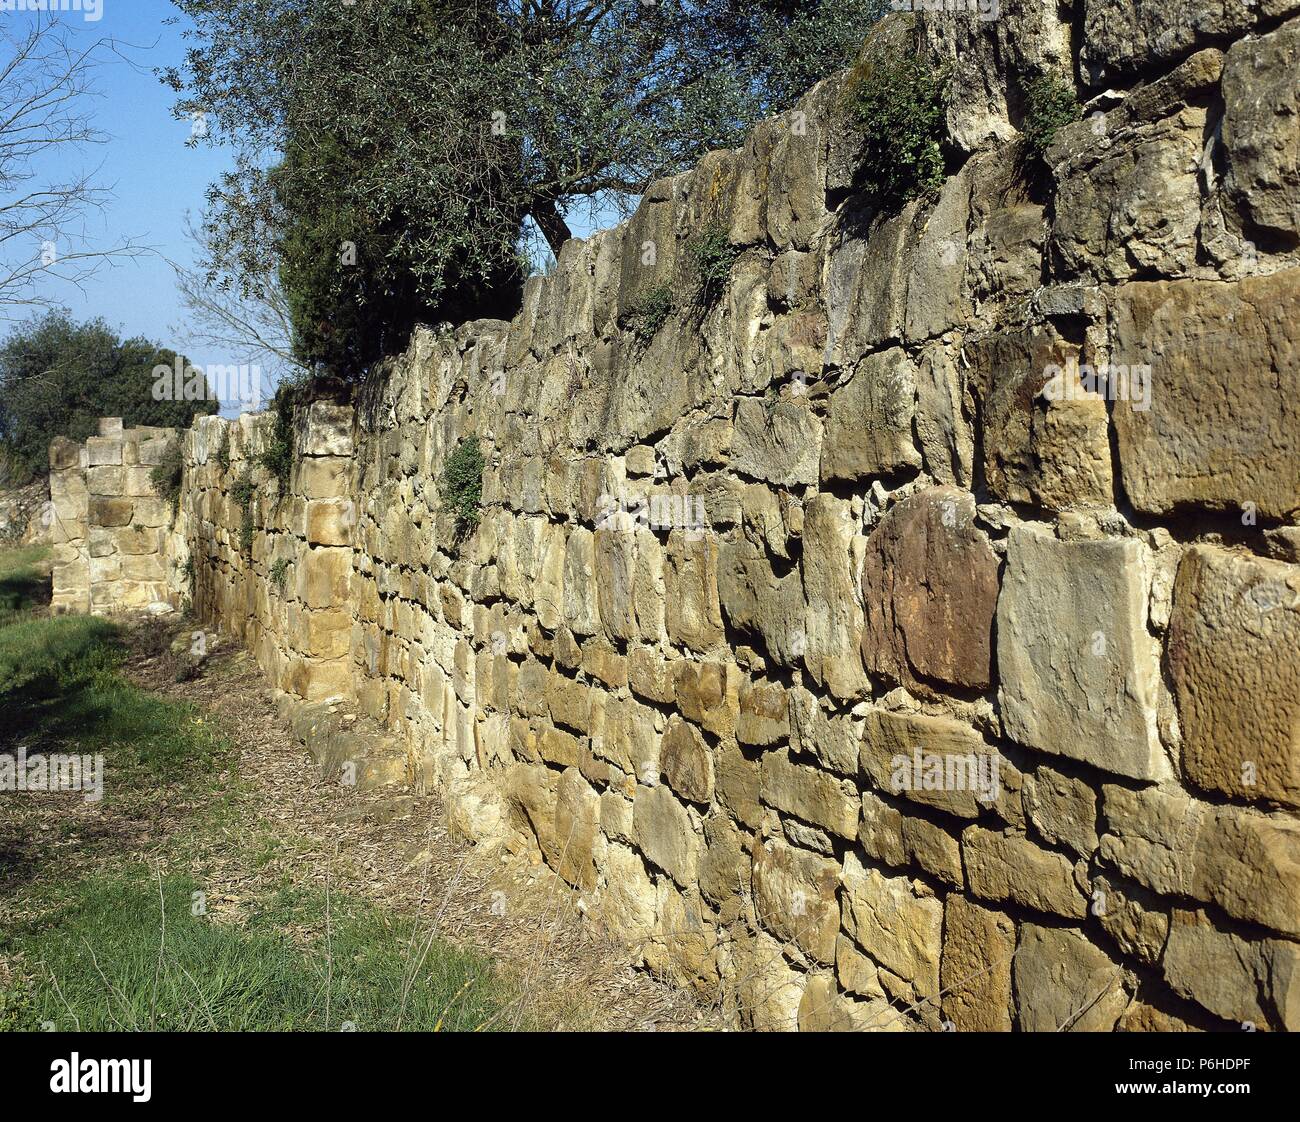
(153, 177)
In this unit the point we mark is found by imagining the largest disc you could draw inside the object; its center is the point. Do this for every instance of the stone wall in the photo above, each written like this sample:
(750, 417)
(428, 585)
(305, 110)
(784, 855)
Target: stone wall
(108, 527)
(849, 658)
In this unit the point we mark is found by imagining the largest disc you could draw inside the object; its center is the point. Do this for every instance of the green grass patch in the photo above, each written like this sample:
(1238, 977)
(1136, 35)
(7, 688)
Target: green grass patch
(60, 686)
(24, 580)
(99, 957)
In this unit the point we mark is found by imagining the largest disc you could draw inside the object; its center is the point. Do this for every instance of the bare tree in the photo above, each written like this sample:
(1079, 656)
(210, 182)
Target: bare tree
(245, 317)
(45, 89)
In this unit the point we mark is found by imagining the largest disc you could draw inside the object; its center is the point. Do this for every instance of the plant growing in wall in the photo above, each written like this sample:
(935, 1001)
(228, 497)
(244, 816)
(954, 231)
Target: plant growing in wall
(462, 486)
(242, 492)
(651, 312)
(1050, 105)
(714, 255)
(167, 473)
(278, 574)
(899, 102)
(278, 456)
(223, 452)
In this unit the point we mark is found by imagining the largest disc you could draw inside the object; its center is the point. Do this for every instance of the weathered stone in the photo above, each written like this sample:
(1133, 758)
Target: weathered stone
(763, 718)
(738, 783)
(794, 893)
(955, 771)
(758, 603)
(779, 443)
(708, 693)
(1065, 984)
(1247, 863)
(1007, 866)
(975, 968)
(930, 587)
(1261, 129)
(1063, 809)
(725, 865)
(1255, 982)
(833, 624)
(769, 988)
(1232, 637)
(897, 927)
(1046, 438)
(692, 613)
(869, 421)
(810, 794)
(577, 828)
(1222, 429)
(893, 838)
(686, 762)
(1135, 919)
(1079, 670)
(833, 741)
(665, 834)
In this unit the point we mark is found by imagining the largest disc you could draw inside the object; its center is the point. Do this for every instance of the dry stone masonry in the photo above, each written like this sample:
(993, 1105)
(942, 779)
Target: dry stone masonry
(848, 653)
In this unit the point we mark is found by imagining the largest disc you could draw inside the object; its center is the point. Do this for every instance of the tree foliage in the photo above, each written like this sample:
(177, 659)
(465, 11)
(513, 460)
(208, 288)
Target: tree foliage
(393, 152)
(58, 377)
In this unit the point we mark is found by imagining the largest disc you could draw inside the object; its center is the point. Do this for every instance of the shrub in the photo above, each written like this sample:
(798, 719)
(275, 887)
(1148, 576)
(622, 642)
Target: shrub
(278, 457)
(900, 103)
(714, 256)
(1050, 105)
(223, 453)
(651, 312)
(278, 574)
(242, 492)
(462, 485)
(167, 474)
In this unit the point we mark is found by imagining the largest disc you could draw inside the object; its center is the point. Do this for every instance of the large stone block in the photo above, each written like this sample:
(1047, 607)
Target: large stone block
(929, 589)
(869, 421)
(1009, 867)
(794, 894)
(777, 442)
(833, 623)
(1065, 984)
(665, 833)
(686, 762)
(1233, 637)
(809, 794)
(1261, 129)
(895, 923)
(1080, 675)
(1245, 862)
(1222, 431)
(693, 614)
(975, 969)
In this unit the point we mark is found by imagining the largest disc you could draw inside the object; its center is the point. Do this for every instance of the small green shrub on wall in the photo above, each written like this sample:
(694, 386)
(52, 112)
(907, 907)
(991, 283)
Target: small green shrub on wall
(1050, 105)
(278, 457)
(651, 312)
(462, 486)
(223, 452)
(242, 492)
(899, 102)
(714, 256)
(167, 474)
(279, 574)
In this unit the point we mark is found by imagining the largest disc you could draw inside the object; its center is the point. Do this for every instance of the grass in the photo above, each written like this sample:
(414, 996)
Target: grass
(61, 687)
(127, 952)
(24, 583)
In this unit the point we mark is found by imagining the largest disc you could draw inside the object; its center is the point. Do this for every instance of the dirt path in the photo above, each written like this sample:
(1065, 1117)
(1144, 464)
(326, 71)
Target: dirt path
(396, 852)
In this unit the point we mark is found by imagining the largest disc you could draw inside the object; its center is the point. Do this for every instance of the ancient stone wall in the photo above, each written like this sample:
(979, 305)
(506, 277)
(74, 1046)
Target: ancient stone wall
(108, 526)
(850, 654)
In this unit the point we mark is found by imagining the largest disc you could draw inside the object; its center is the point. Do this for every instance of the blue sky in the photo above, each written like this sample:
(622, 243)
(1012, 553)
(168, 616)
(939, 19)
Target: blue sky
(154, 178)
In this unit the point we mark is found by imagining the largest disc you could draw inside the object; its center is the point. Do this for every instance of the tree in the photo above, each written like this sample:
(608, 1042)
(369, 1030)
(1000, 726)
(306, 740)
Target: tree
(58, 377)
(431, 131)
(45, 85)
